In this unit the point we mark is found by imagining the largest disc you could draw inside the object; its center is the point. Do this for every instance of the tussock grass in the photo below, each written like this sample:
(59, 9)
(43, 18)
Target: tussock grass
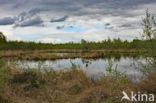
(34, 86)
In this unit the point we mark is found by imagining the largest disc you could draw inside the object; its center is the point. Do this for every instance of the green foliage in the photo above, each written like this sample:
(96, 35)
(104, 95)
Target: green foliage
(149, 23)
(2, 38)
(84, 45)
(114, 73)
(83, 41)
(74, 66)
(149, 32)
(109, 68)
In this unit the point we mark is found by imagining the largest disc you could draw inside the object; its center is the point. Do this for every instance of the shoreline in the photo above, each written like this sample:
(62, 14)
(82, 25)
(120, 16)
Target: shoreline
(43, 54)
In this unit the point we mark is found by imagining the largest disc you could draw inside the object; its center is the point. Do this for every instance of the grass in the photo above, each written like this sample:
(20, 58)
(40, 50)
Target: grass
(33, 86)
(44, 54)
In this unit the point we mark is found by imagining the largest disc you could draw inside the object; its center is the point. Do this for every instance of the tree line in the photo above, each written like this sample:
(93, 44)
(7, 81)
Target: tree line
(84, 45)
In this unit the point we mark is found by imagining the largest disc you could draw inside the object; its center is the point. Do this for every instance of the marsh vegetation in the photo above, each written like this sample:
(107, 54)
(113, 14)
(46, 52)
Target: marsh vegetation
(86, 72)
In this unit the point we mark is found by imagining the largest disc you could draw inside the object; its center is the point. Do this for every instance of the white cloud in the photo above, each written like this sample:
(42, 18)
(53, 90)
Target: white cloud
(9, 33)
(50, 40)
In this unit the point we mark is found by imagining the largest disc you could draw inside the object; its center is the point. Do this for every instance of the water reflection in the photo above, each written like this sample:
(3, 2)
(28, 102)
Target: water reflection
(94, 68)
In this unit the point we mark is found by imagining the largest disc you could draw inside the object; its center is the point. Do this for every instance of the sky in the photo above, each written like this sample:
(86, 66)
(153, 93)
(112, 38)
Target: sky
(61, 21)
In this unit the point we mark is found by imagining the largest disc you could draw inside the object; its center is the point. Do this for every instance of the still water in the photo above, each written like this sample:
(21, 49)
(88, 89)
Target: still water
(94, 68)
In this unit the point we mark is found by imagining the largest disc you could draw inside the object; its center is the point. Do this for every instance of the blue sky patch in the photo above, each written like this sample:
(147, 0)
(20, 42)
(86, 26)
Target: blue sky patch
(74, 29)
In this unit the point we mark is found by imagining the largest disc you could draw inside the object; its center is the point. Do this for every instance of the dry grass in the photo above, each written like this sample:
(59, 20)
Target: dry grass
(43, 54)
(149, 85)
(74, 86)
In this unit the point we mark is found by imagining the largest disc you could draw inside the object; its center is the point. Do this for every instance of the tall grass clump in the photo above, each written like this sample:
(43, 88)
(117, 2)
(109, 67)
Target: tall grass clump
(114, 73)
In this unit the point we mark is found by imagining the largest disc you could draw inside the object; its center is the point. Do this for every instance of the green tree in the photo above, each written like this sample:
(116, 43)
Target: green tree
(149, 31)
(83, 41)
(2, 37)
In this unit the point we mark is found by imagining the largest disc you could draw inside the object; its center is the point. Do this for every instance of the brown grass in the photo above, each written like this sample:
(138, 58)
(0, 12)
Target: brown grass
(73, 86)
(42, 54)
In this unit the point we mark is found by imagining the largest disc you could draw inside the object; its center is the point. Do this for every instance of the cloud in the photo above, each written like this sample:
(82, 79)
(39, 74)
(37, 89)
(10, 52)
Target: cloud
(7, 21)
(117, 17)
(125, 26)
(60, 19)
(9, 33)
(77, 8)
(107, 24)
(34, 11)
(50, 40)
(36, 21)
(60, 27)
(23, 19)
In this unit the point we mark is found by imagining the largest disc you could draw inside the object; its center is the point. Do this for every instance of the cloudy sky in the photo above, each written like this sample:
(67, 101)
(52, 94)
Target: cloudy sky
(60, 21)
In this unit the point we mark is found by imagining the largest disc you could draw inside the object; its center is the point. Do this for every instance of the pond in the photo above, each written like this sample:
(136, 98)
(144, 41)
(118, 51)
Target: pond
(94, 68)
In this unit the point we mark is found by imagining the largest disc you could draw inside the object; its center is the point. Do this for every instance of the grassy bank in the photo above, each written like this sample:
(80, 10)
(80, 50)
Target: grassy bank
(33, 86)
(44, 54)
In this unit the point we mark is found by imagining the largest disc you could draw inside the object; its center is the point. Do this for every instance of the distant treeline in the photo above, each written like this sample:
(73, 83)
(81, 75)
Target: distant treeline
(85, 45)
